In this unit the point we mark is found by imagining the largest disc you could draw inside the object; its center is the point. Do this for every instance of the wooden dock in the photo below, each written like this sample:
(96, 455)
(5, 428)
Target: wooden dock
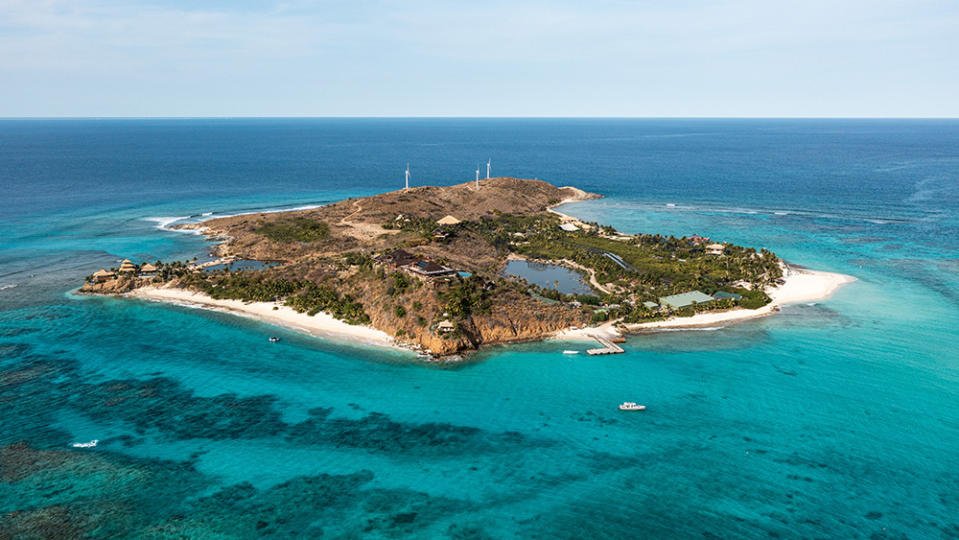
(608, 347)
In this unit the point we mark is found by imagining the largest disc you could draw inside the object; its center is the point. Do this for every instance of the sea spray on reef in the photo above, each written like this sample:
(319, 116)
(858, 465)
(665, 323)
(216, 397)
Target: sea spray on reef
(163, 223)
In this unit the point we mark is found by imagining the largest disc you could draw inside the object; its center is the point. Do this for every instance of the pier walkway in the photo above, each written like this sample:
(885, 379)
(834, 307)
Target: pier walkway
(608, 347)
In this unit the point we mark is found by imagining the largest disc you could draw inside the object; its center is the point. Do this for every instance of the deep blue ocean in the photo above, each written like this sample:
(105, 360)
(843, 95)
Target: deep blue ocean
(832, 419)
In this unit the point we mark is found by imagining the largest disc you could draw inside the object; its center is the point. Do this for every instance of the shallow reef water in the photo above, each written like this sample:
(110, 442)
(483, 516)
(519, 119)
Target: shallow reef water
(835, 418)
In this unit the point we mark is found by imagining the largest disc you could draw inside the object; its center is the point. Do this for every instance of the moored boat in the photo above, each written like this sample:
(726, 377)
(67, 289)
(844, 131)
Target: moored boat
(90, 444)
(631, 406)
(570, 352)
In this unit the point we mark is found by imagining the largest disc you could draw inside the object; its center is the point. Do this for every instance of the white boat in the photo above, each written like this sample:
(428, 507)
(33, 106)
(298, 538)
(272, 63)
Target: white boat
(630, 406)
(90, 444)
(570, 352)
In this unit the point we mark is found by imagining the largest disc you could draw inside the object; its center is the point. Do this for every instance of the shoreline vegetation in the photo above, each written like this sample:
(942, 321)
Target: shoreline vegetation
(423, 270)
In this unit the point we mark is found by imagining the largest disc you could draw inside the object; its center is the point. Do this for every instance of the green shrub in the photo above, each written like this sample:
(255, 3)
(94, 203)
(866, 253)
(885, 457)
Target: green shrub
(400, 282)
(753, 299)
(466, 297)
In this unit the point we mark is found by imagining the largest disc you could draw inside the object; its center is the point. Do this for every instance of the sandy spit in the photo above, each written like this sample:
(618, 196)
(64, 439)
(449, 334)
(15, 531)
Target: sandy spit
(801, 285)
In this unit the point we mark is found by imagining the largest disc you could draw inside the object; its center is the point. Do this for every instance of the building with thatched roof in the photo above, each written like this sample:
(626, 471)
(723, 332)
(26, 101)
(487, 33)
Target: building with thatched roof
(127, 267)
(147, 270)
(445, 327)
(102, 275)
(448, 220)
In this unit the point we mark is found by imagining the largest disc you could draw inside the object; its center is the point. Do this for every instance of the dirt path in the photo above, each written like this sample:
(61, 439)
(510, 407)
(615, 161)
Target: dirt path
(588, 271)
(362, 231)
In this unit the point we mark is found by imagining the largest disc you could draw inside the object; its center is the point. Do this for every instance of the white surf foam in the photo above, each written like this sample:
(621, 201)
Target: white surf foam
(164, 222)
(273, 210)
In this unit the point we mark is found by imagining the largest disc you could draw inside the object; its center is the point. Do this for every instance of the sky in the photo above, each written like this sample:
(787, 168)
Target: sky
(617, 58)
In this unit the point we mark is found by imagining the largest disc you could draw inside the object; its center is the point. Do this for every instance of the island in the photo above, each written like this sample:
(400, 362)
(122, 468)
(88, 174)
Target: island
(447, 270)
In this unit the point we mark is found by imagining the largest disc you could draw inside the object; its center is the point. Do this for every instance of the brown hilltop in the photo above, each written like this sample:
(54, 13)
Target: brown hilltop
(465, 201)
(357, 224)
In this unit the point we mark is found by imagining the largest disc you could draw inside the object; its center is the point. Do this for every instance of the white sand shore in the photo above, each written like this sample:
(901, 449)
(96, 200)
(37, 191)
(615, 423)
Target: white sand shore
(606, 330)
(801, 285)
(804, 285)
(565, 218)
(321, 324)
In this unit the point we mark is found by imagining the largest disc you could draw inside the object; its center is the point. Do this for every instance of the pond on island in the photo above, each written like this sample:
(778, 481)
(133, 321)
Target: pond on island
(549, 276)
(240, 265)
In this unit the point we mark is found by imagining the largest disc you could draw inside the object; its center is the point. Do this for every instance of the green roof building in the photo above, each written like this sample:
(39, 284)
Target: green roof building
(685, 299)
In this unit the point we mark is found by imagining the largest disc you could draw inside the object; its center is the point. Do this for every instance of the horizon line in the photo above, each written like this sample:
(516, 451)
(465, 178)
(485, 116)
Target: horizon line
(441, 117)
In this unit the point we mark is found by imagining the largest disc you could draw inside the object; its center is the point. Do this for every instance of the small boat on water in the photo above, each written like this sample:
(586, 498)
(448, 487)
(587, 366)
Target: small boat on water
(274, 339)
(90, 444)
(630, 406)
(570, 352)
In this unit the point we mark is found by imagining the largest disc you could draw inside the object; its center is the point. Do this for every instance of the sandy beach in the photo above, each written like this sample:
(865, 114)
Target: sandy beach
(606, 330)
(801, 285)
(320, 325)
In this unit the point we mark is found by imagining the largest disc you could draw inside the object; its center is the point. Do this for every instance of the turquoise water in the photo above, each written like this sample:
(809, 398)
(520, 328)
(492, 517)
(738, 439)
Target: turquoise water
(837, 418)
(549, 276)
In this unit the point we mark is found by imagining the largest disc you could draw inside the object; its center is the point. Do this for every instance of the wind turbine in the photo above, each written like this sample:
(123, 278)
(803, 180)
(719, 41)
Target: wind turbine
(477, 178)
(489, 162)
(407, 176)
